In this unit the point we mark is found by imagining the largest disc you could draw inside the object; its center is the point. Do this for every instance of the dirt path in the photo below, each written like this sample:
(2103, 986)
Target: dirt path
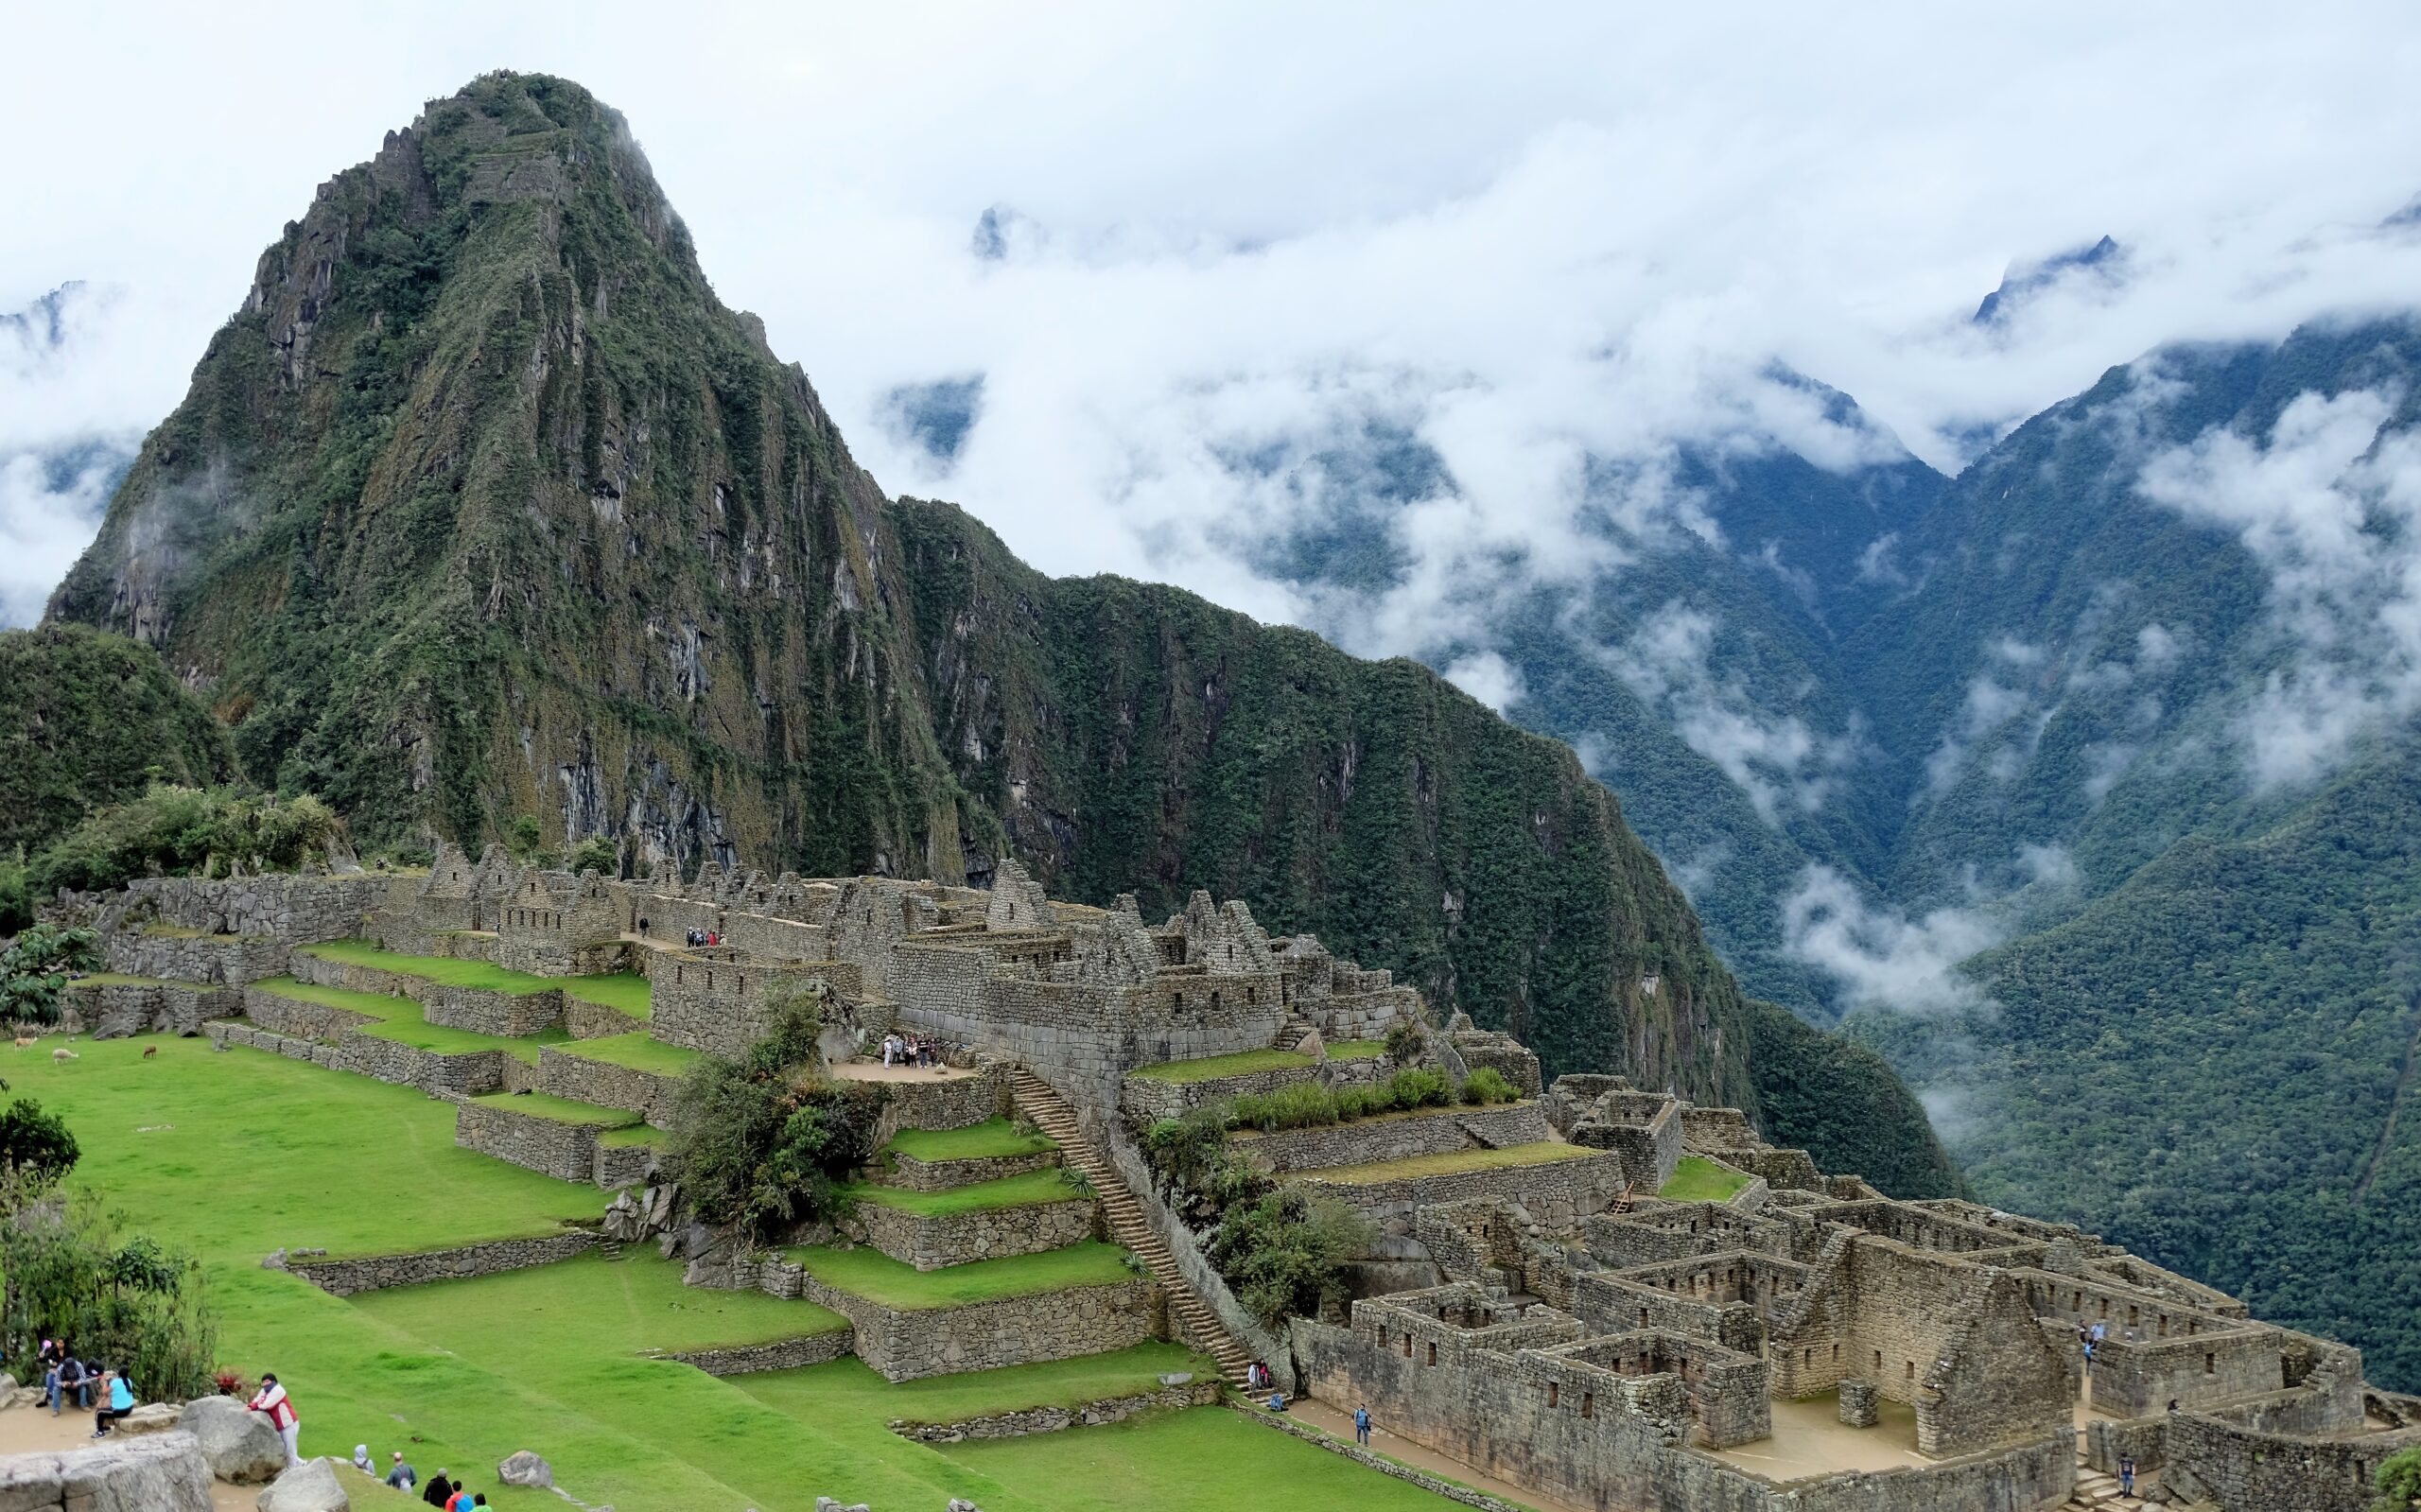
(32, 1430)
(1339, 1424)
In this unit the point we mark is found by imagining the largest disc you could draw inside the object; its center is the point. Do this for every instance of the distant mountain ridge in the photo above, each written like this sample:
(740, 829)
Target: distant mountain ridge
(483, 505)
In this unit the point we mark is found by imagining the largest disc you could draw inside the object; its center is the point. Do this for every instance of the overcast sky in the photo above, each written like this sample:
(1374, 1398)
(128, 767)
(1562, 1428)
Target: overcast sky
(1521, 232)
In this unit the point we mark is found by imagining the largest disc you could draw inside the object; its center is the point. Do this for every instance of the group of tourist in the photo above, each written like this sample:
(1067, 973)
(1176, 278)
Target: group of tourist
(442, 1491)
(695, 937)
(88, 1384)
(910, 1050)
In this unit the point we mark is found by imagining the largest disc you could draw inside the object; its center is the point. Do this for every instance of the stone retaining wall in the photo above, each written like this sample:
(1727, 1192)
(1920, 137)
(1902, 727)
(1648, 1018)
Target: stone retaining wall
(953, 1103)
(376, 1273)
(446, 1076)
(783, 1354)
(2243, 1468)
(594, 1020)
(931, 1242)
(911, 1174)
(1147, 1098)
(1355, 1453)
(1053, 1419)
(217, 960)
(1400, 1137)
(116, 1010)
(567, 1152)
(321, 972)
(1557, 1192)
(510, 1015)
(649, 1094)
(293, 909)
(281, 1015)
(911, 1344)
(624, 1164)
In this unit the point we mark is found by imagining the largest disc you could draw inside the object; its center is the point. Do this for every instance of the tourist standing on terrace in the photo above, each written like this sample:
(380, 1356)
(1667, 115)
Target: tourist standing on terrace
(272, 1400)
(1362, 1426)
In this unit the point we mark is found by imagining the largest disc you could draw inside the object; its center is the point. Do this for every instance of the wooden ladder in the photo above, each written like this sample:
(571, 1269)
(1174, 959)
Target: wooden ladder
(1039, 1102)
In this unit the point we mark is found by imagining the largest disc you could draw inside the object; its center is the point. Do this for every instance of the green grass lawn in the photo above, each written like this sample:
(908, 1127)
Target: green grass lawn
(235, 1154)
(988, 1140)
(1357, 1049)
(116, 978)
(624, 992)
(1214, 1066)
(638, 1051)
(1054, 1185)
(869, 1272)
(380, 1005)
(629, 1135)
(559, 1109)
(1206, 1460)
(1542, 1153)
(405, 1026)
(1696, 1179)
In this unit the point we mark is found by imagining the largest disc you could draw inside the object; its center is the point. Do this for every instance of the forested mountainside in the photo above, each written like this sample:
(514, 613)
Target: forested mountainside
(2145, 667)
(483, 505)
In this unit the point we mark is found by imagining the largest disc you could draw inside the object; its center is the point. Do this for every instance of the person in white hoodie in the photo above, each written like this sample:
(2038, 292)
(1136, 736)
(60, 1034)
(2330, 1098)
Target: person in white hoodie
(272, 1400)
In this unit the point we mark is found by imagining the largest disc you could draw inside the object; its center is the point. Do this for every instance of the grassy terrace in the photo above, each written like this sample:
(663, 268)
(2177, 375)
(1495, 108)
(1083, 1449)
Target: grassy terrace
(1435, 1110)
(1696, 1179)
(1009, 1192)
(1211, 1068)
(375, 1004)
(629, 1135)
(118, 979)
(558, 1109)
(1546, 1152)
(638, 1051)
(877, 1278)
(992, 1139)
(463, 1373)
(405, 1026)
(1357, 1049)
(622, 991)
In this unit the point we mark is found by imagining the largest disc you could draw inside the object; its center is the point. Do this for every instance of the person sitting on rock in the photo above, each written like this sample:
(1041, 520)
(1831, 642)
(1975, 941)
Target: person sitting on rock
(117, 1401)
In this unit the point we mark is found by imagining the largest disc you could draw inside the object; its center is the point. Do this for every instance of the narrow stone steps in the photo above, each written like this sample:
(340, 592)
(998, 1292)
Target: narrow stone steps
(1123, 1216)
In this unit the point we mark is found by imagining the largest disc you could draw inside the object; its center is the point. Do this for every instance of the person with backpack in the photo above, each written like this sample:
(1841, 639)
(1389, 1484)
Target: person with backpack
(117, 1401)
(1362, 1426)
(73, 1384)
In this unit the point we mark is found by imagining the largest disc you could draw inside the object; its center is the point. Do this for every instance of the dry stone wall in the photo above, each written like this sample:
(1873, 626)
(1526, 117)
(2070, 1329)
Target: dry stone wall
(350, 1277)
(649, 1094)
(931, 1242)
(512, 1015)
(1397, 1137)
(1054, 1420)
(116, 1010)
(567, 1152)
(289, 909)
(1147, 1098)
(913, 1175)
(217, 960)
(783, 1354)
(911, 1344)
(1557, 1193)
(944, 1102)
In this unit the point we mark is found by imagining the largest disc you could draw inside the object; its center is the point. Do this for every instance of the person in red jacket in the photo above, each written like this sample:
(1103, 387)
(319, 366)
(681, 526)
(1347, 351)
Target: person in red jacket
(271, 1401)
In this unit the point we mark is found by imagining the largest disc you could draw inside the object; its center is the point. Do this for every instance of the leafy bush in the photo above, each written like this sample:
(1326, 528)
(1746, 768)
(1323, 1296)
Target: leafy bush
(36, 1148)
(1298, 1106)
(2398, 1482)
(1421, 1087)
(1285, 1253)
(1191, 1154)
(33, 971)
(174, 831)
(1405, 1042)
(595, 854)
(123, 1301)
(762, 1142)
(1489, 1085)
(16, 898)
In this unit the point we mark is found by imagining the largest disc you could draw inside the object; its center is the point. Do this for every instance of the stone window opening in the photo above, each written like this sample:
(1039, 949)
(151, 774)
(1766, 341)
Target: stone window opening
(1555, 1393)
(1433, 1354)
(2210, 1365)
(1837, 1354)
(1879, 1359)
(1588, 1404)
(1407, 1346)
(1912, 1370)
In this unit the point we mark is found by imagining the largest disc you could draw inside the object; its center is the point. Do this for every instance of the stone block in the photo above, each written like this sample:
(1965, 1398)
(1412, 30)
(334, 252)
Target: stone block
(1861, 1404)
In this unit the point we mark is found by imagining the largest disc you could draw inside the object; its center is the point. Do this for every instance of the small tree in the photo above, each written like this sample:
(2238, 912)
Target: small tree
(596, 854)
(34, 970)
(763, 1143)
(122, 1300)
(2398, 1482)
(1285, 1254)
(35, 1149)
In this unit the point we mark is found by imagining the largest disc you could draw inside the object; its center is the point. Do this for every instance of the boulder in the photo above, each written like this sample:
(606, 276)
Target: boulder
(525, 1469)
(151, 1417)
(1312, 1044)
(162, 1473)
(310, 1487)
(237, 1444)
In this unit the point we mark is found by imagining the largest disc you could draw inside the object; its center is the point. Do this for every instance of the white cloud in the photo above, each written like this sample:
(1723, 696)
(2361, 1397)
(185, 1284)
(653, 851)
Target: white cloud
(2332, 511)
(1774, 758)
(1572, 232)
(1877, 954)
(1488, 678)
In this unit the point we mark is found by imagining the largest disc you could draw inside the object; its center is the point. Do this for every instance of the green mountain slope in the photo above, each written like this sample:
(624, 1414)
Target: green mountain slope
(484, 504)
(89, 719)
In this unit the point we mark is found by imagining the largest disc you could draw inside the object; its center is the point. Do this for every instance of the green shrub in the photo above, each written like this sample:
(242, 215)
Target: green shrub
(124, 1302)
(763, 1143)
(1191, 1154)
(1285, 1253)
(1489, 1085)
(1304, 1106)
(33, 971)
(1405, 1042)
(1421, 1087)
(16, 897)
(36, 1148)
(2398, 1481)
(174, 831)
(596, 854)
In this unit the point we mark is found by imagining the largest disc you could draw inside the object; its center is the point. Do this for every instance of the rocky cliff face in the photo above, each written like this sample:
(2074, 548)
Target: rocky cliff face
(483, 505)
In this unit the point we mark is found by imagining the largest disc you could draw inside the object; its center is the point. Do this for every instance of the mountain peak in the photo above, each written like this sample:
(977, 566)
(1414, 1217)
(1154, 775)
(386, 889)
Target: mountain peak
(2104, 261)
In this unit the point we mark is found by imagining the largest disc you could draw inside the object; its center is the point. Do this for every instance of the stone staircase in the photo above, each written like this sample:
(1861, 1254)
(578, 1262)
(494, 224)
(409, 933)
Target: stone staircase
(1294, 1031)
(2098, 1492)
(1192, 1317)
